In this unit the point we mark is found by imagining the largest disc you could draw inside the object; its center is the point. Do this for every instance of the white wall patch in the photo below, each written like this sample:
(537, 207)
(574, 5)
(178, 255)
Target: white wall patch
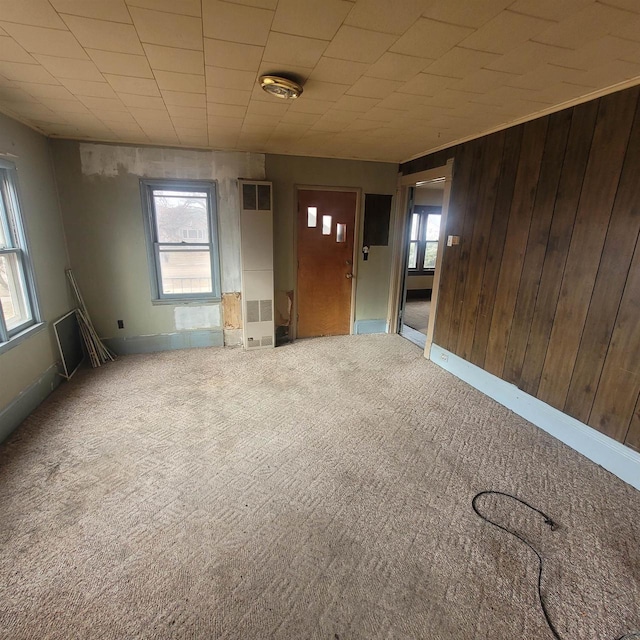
(190, 318)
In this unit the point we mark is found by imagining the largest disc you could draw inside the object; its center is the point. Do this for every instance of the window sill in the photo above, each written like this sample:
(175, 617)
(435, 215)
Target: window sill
(180, 302)
(22, 336)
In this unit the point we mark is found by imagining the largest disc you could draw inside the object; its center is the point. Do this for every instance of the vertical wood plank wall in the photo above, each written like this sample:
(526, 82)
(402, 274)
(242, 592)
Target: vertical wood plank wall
(544, 288)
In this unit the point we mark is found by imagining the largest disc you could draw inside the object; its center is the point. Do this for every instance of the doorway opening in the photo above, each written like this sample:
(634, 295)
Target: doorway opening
(418, 250)
(325, 237)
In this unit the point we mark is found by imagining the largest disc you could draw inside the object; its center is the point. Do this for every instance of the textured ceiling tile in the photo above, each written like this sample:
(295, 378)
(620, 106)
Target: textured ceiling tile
(26, 73)
(235, 22)
(229, 79)
(101, 34)
(45, 90)
(11, 51)
(278, 108)
(340, 71)
(228, 96)
(315, 90)
(224, 123)
(505, 32)
(172, 59)
(128, 84)
(577, 30)
(16, 94)
(310, 18)
(64, 106)
(286, 49)
(187, 82)
(550, 9)
(378, 15)
(430, 39)
(297, 117)
(395, 66)
(112, 106)
(142, 102)
(54, 42)
(595, 53)
(167, 29)
(359, 45)
(230, 110)
(609, 72)
(183, 7)
(354, 103)
(193, 113)
(38, 13)
(149, 117)
(182, 99)
(543, 76)
(70, 68)
(114, 10)
(107, 115)
(88, 88)
(124, 64)
(232, 55)
(466, 14)
(374, 87)
(459, 62)
(526, 57)
(483, 80)
(310, 106)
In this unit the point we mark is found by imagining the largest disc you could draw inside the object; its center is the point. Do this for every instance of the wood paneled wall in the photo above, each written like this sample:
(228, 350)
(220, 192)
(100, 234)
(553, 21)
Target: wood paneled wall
(544, 288)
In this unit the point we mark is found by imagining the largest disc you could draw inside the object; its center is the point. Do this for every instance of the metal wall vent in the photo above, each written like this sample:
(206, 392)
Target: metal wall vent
(266, 341)
(259, 310)
(266, 310)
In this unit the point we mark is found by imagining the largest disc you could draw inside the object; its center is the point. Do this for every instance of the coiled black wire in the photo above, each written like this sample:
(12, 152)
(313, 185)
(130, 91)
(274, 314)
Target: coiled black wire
(553, 526)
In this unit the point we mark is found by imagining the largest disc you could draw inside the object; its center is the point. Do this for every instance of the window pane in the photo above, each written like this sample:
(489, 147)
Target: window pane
(181, 217)
(312, 216)
(326, 225)
(415, 224)
(4, 231)
(13, 292)
(185, 270)
(249, 197)
(433, 227)
(413, 255)
(341, 232)
(430, 252)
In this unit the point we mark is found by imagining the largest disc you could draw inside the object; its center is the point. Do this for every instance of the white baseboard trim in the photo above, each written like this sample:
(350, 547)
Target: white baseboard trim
(603, 450)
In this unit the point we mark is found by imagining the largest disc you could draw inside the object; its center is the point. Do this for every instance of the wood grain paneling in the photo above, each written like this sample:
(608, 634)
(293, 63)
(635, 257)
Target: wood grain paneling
(508, 170)
(544, 288)
(533, 141)
(583, 122)
(624, 227)
(608, 148)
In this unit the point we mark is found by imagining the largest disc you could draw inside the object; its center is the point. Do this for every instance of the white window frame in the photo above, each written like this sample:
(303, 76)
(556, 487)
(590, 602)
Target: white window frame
(18, 246)
(147, 189)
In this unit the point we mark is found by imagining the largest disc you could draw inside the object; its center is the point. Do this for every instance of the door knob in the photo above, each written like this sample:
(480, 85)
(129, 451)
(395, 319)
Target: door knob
(348, 275)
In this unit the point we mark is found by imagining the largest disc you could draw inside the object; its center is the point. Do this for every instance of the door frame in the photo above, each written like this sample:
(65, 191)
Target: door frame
(400, 246)
(356, 243)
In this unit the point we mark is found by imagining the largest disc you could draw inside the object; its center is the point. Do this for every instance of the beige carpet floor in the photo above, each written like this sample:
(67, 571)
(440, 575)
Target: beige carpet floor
(320, 490)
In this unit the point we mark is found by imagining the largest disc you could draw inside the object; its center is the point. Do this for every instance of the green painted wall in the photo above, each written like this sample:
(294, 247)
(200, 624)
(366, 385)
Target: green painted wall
(372, 287)
(23, 365)
(101, 205)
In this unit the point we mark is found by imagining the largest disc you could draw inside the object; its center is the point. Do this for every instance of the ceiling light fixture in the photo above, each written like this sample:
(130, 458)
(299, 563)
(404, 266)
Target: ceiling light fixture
(280, 87)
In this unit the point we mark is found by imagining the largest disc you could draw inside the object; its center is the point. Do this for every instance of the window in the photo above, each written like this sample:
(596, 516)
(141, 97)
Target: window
(182, 239)
(423, 242)
(17, 300)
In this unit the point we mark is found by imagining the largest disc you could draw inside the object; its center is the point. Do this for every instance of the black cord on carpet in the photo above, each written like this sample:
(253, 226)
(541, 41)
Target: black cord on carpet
(553, 526)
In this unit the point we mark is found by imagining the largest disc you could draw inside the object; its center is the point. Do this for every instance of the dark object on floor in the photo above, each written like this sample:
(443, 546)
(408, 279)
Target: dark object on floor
(553, 526)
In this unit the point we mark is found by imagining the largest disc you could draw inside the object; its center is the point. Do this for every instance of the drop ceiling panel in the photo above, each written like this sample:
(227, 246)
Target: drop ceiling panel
(381, 80)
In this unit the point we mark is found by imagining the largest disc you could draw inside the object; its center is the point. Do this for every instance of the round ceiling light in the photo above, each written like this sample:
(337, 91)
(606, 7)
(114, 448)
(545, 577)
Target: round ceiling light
(280, 87)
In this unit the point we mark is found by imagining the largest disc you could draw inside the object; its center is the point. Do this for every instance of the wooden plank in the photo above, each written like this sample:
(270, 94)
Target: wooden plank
(533, 140)
(633, 435)
(613, 126)
(620, 242)
(552, 160)
(470, 214)
(489, 181)
(583, 122)
(617, 394)
(508, 172)
(455, 220)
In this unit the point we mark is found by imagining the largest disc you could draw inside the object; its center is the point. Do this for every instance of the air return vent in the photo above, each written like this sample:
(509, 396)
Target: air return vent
(256, 241)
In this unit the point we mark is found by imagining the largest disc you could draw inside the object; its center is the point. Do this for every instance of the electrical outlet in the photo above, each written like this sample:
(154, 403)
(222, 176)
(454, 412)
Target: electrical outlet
(444, 357)
(120, 324)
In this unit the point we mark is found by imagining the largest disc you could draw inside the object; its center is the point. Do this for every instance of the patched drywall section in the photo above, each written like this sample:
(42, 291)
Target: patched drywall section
(100, 193)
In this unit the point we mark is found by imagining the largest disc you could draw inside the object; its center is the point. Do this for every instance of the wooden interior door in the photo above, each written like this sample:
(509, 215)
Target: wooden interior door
(326, 232)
